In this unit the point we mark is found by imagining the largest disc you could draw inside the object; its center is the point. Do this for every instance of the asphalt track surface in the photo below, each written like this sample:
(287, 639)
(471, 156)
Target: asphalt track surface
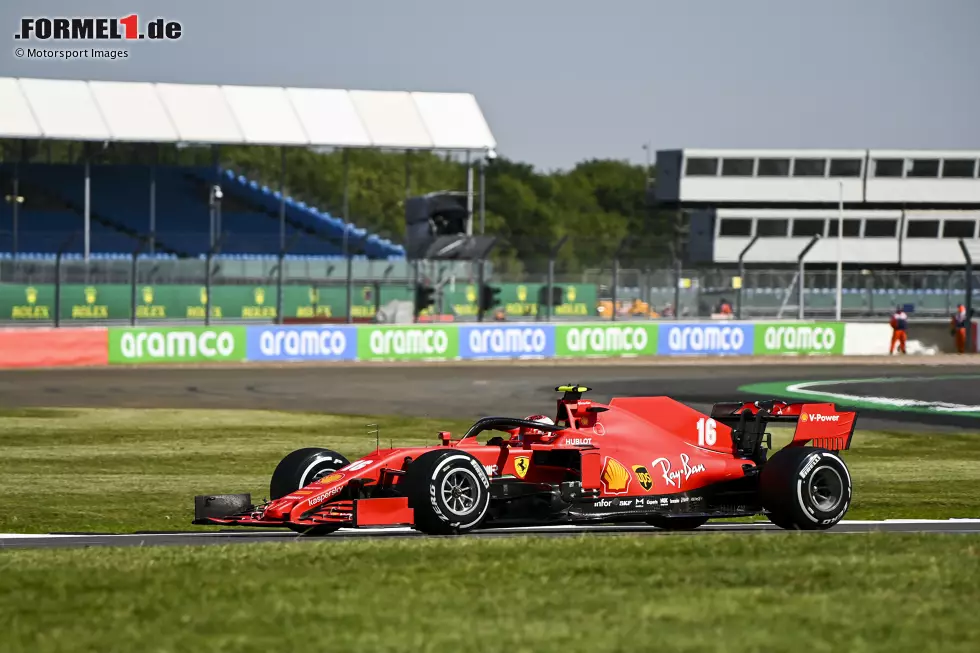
(478, 389)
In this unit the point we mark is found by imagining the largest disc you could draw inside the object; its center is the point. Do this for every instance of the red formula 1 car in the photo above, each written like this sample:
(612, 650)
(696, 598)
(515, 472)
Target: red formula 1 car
(640, 459)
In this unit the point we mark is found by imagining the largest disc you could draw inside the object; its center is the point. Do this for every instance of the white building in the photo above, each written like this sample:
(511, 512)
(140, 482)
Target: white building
(901, 207)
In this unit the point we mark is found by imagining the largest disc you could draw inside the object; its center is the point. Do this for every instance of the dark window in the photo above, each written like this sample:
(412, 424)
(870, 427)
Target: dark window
(959, 228)
(702, 167)
(773, 168)
(804, 227)
(923, 229)
(879, 228)
(809, 167)
(924, 168)
(770, 227)
(735, 227)
(845, 167)
(958, 168)
(737, 167)
(852, 228)
(889, 167)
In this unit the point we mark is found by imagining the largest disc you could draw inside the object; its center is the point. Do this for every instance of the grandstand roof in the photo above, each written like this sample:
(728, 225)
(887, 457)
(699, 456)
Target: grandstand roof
(214, 114)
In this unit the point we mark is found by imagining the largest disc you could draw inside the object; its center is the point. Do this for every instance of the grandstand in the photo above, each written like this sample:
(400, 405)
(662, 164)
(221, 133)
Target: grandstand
(171, 211)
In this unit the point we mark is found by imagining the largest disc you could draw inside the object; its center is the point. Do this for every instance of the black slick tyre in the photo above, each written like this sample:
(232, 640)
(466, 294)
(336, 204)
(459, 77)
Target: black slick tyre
(302, 467)
(448, 491)
(805, 488)
(677, 523)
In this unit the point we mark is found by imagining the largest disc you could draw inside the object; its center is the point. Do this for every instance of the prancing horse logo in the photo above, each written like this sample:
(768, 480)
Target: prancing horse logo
(521, 463)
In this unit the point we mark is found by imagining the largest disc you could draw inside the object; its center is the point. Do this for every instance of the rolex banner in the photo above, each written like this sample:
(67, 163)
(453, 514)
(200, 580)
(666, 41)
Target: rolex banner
(161, 302)
(81, 302)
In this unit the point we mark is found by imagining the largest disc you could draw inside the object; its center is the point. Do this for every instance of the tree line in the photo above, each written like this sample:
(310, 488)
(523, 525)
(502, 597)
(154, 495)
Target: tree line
(598, 204)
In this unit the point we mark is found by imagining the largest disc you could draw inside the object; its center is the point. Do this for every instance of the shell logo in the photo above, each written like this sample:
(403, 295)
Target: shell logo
(615, 477)
(803, 417)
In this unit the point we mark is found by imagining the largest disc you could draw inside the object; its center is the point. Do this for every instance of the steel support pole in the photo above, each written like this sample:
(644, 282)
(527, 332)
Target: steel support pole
(741, 275)
(971, 345)
(469, 195)
(282, 198)
(88, 208)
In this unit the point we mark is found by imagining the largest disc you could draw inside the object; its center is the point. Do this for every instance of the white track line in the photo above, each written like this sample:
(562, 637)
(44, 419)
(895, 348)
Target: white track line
(405, 529)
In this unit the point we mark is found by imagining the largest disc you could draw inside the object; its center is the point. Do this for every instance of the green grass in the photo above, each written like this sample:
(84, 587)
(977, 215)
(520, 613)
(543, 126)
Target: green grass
(117, 470)
(766, 592)
(123, 470)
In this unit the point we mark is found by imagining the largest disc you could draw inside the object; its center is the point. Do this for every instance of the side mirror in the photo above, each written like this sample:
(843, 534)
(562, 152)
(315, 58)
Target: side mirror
(445, 437)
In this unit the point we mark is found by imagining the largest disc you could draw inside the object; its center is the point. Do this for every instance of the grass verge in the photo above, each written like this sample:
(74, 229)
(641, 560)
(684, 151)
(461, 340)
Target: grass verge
(121, 470)
(765, 592)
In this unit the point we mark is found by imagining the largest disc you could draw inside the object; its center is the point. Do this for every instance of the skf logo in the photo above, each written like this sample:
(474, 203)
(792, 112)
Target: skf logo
(615, 477)
(332, 478)
(814, 417)
(643, 476)
(521, 465)
(97, 29)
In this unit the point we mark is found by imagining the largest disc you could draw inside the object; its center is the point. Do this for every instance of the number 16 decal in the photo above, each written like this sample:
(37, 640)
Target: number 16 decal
(706, 432)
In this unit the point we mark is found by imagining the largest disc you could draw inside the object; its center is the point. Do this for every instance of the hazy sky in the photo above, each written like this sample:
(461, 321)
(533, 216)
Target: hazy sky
(562, 81)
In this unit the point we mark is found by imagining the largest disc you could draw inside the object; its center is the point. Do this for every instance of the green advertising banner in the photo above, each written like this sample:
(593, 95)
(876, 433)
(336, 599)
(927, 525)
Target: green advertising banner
(417, 342)
(157, 302)
(625, 339)
(799, 338)
(176, 345)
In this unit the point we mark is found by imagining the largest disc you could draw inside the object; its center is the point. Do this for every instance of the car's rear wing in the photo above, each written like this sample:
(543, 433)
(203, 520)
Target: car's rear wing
(820, 425)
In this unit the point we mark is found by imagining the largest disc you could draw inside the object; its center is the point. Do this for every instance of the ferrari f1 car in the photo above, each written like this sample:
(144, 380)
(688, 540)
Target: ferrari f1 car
(636, 459)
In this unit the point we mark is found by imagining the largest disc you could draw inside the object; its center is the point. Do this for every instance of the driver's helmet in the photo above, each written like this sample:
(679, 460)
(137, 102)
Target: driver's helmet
(527, 431)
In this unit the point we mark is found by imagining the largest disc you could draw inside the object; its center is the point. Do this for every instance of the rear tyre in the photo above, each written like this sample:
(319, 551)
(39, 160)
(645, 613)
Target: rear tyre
(449, 492)
(677, 523)
(302, 467)
(805, 488)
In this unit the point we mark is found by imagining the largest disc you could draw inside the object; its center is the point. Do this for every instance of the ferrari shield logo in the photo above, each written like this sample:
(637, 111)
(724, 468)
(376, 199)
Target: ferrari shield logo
(643, 476)
(31, 294)
(90, 294)
(521, 464)
(332, 478)
(147, 294)
(259, 295)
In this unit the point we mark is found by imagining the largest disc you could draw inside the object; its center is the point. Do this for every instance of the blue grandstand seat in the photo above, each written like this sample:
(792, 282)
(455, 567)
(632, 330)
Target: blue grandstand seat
(120, 204)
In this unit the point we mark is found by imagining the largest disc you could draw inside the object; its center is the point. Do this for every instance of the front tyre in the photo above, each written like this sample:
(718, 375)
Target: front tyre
(805, 488)
(449, 492)
(302, 467)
